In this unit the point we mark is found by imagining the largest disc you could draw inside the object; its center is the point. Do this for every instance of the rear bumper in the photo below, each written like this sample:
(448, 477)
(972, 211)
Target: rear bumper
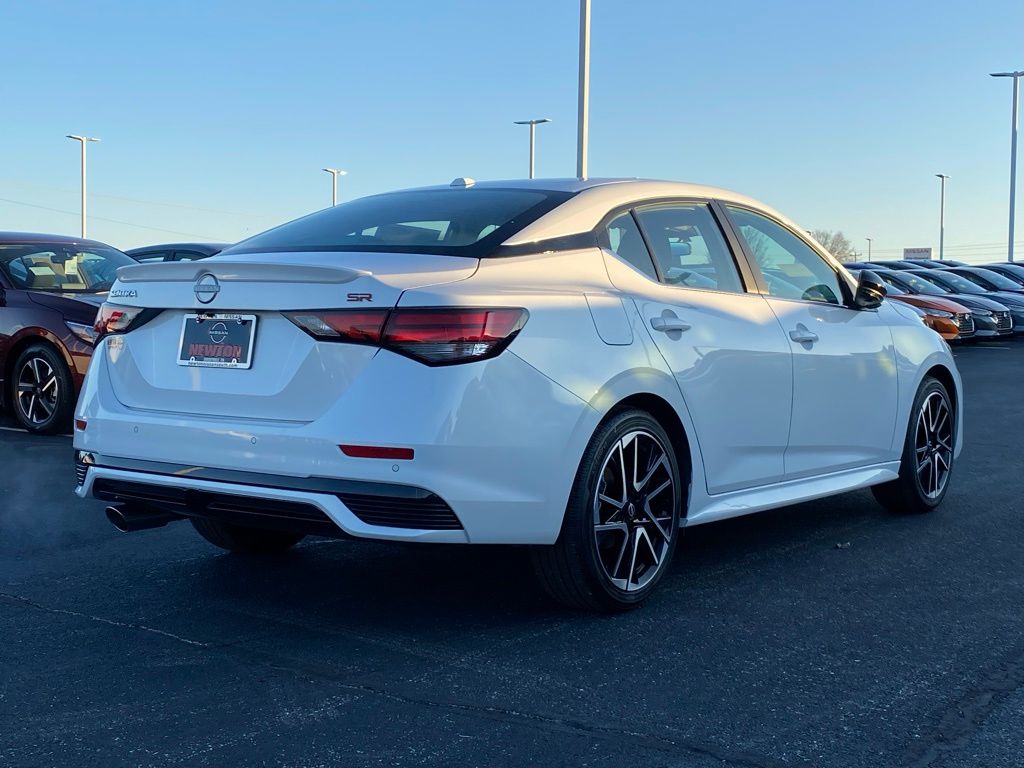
(496, 442)
(325, 507)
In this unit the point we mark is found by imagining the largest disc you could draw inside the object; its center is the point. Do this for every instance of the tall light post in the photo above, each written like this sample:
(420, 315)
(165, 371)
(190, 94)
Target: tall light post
(869, 247)
(583, 114)
(335, 173)
(942, 215)
(533, 131)
(1013, 148)
(85, 140)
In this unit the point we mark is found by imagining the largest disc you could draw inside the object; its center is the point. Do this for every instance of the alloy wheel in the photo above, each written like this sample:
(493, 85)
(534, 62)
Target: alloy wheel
(634, 504)
(933, 444)
(38, 390)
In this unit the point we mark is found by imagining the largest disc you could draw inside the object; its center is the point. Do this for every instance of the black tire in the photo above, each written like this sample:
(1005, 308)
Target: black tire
(41, 393)
(575, 570)
(915, 489)
(245, 540)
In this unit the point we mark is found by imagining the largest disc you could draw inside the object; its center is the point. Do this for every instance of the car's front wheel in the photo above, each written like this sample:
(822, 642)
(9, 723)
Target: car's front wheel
(622, 520)
(41, 390)
(245, 540)
(927, 462)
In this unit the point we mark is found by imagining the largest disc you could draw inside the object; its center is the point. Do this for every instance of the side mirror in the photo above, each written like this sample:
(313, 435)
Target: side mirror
(870, 291)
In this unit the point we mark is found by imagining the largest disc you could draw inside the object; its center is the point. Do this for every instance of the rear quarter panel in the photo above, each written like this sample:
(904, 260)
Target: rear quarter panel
(594, 357)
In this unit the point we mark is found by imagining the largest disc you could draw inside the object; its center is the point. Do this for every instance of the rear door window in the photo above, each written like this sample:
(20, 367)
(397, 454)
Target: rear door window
(626, 242)
(689, 247)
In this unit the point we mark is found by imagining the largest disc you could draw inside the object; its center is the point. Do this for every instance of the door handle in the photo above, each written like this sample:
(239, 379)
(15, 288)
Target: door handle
(669, 324)
(803, 336)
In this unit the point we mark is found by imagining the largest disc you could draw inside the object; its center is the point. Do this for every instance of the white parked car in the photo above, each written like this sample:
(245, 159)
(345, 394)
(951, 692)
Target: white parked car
(582, 366)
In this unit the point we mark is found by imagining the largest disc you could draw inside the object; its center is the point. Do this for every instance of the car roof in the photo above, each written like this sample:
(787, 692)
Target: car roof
(27, 238)
(593, 198)
(210, 247)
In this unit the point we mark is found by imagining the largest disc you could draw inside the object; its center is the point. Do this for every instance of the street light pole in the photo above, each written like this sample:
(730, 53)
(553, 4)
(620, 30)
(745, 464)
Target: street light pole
(583, 114)
(85, 140)
(1013, 149)
(335, 173)
(869, 247)
(533, 129)
(942, 215)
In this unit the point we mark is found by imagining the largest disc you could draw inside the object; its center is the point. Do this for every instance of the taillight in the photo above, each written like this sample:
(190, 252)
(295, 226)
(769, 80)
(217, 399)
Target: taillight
(113, 318)
(356, 326)
(431, 335)
(443, 336)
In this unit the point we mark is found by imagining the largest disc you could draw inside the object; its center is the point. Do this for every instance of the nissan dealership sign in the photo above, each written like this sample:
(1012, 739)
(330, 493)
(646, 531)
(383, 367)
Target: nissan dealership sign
(917, 253)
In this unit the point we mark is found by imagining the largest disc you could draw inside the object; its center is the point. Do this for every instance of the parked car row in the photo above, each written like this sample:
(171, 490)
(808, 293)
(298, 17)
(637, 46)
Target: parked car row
(960, 301)
(50, 289)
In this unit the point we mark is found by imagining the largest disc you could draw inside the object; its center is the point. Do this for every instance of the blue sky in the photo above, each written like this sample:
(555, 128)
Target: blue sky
(216, 117)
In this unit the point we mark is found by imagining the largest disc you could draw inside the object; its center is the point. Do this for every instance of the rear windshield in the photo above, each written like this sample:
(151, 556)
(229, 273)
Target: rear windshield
(62, 267)
(460, 222)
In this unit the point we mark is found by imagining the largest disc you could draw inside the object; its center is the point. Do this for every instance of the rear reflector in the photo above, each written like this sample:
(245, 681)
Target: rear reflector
(431, 335)
(377, 452)
(80, 424)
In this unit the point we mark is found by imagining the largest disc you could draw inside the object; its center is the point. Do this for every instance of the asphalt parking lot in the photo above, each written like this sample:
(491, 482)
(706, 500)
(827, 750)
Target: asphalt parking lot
(825, 634)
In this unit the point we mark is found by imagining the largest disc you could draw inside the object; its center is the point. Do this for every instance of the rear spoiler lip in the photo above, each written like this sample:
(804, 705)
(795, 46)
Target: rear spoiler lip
(237, 271)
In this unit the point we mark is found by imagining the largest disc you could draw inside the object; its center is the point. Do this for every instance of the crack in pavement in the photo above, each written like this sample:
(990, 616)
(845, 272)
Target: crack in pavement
(101, 620)
(264, 660)
(645, 740)
(962, 719)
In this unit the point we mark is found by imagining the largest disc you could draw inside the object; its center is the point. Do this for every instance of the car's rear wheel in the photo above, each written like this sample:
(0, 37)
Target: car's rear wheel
(41, 390)
(927, 462)
(622, 520)
(239, 538)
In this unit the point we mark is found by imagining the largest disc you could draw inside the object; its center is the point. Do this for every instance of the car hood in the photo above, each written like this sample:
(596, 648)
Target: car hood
(932, 302)
(77, 307)
(1008, 298)
(976, 302)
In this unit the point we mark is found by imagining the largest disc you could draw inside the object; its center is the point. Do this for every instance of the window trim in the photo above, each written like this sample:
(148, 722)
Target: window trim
(842, 277)
(747, 281)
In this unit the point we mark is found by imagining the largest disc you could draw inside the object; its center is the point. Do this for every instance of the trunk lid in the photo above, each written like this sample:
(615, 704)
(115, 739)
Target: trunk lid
(293, 377)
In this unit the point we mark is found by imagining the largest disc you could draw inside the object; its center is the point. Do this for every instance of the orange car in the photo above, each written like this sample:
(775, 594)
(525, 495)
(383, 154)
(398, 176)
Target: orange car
(950, 320)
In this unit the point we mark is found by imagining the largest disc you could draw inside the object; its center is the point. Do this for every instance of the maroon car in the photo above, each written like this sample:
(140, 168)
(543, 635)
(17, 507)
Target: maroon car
(50, 287)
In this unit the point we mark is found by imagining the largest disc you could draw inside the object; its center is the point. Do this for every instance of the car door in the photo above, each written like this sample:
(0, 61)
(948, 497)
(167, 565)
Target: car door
(845, 389)
(728, 354)
(7, 322)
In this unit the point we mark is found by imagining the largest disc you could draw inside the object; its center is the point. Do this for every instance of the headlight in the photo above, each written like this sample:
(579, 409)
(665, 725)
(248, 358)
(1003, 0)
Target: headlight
(86, 333)
(982, 312)
(941, 313)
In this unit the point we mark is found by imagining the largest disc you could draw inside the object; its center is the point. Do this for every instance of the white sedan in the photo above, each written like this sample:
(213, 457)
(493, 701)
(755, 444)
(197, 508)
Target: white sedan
(582, 366)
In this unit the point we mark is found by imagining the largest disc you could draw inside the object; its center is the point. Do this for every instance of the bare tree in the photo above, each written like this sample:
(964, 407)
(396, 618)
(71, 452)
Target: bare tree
(837, 244)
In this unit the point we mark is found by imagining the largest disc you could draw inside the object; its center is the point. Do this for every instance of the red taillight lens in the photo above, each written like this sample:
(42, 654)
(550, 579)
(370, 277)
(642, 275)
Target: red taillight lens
(443, 336)
(113, 318)
(357, 326)
(431, 335)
